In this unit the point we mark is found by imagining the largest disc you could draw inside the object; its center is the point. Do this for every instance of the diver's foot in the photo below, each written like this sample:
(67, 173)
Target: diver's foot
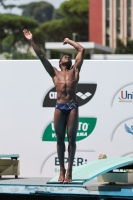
(62, 176)
(68, 177)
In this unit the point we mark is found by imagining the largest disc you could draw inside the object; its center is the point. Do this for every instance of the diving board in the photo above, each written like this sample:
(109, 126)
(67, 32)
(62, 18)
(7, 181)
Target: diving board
(12, 156)
(87, 172)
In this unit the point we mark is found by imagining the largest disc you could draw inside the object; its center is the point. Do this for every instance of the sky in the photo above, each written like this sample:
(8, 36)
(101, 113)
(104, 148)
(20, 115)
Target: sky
(55, 3)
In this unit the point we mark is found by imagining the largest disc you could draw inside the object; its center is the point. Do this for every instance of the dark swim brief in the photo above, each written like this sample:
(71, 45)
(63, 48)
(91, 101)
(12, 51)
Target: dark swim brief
(66, 107)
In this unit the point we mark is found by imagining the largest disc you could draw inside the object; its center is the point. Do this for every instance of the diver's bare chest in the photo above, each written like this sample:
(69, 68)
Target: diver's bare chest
(65, 76)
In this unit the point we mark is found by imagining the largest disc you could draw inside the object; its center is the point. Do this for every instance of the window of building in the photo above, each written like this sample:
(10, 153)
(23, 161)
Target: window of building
(128, 3)
(129, 23)
(129, 33)
(118, 23)
(118, 13)
(107, 40)
(129, 13)
(128, 18)
(107, 22)
(107, 3)
(107, 13)
(118, 17)
(118, 3)
(118, 26)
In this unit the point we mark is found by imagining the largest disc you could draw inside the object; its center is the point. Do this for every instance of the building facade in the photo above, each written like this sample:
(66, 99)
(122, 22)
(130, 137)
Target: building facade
(109, 20)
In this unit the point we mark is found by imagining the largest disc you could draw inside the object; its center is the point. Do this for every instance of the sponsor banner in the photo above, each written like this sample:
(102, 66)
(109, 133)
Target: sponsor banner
(124, 95)
(124, 130)
(27, 104)
(84, 94)
(122, 138)
(52, 162)
(85, 128)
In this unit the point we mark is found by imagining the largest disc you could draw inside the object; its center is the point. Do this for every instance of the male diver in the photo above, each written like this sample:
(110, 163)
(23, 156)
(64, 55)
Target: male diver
(66, 108)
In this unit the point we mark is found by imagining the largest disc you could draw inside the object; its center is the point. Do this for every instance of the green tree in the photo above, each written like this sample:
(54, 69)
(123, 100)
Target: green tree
(120, 47)
(76, 13)
(57, 14)
(75, 8)
(124, 49)
(40, 11)
(11, 31)
(12, 24)
(75, 20)
(55, 30)
(129, 47)
(2, 2)
(39, 37)
(23, 56)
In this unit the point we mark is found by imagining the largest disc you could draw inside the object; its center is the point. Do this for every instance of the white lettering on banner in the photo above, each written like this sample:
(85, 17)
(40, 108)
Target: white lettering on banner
(52, 126)
(53, 95)
(82, 134)
(53, 135)
(79, 128)
(83, 126)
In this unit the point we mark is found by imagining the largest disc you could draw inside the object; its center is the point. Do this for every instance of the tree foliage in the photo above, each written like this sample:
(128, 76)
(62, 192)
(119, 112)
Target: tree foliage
(129, 48)
(39, 37)
(10, 6)
(11, 30)
(75, 20)
(57, 14)
(124, 49)
(2, 2)
(55, 30)
(75, 8)
(120, 47)
(71, 17)
(40, 11)
(14, 23)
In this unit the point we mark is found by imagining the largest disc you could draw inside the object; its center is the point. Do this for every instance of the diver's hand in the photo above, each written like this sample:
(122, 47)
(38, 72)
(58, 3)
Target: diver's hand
(28, 34)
